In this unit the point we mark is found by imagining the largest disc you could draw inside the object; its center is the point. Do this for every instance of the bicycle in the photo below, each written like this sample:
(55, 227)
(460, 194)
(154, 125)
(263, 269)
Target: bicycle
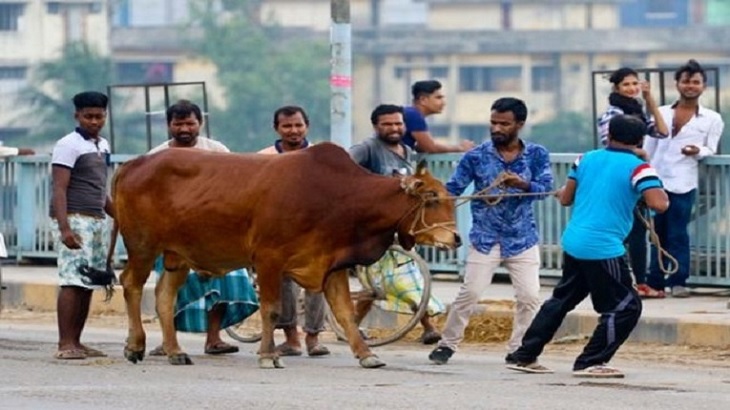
(378, 325)
(383, 319)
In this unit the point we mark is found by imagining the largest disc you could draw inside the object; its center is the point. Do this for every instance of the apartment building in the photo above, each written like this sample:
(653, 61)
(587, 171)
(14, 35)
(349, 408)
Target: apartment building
(32, 31)
(544, 51)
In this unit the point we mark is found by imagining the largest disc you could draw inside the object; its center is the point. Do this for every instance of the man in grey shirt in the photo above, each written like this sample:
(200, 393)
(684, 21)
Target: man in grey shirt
(385, 154)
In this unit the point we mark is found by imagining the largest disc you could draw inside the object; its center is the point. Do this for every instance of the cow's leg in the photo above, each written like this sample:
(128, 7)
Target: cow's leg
(133, 278)
(270, 307)
(337, 292)
(166, 295)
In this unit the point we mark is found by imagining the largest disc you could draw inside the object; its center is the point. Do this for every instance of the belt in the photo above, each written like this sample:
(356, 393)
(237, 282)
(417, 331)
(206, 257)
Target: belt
(86, 214)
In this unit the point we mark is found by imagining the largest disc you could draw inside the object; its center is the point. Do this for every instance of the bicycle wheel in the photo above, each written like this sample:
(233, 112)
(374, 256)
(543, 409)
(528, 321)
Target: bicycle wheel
(381, 325)
(249, 330)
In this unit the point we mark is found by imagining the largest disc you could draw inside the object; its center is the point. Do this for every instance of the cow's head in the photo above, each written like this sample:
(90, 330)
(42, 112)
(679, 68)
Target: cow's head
(431, 221)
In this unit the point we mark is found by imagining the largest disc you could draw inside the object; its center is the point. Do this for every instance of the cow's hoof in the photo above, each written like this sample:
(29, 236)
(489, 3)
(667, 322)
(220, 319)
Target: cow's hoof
(271, 363)
(371, 362)
(134, 356)
(179, 359)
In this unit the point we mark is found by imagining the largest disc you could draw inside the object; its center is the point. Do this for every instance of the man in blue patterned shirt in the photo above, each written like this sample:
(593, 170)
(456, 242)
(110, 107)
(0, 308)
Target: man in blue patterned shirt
(505, 232)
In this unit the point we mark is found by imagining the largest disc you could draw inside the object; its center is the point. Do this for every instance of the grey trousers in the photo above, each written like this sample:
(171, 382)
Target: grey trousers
(314, 309)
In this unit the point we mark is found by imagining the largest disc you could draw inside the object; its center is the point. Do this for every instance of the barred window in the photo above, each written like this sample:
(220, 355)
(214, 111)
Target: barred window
(9, 15)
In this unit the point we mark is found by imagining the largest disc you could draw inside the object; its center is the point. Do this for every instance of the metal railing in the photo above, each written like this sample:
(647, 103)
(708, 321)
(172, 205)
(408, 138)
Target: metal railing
(25, 198)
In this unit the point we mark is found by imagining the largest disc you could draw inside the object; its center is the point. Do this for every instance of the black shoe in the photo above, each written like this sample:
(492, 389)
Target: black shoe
(441, 355)
(510, 359)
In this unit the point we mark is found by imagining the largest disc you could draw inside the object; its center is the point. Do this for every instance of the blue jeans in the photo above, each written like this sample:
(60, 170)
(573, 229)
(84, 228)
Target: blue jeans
(671, 228)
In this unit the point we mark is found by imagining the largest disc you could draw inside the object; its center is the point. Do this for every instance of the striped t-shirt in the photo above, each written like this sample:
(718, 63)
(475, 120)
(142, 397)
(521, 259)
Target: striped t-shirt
(609, 182)
(88, 160)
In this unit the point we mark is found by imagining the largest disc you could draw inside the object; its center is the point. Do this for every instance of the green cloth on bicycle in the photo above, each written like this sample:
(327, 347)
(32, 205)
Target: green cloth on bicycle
(401, 280)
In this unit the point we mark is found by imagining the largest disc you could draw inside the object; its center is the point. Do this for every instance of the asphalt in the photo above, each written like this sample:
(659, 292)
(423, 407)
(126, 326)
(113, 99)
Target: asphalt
(700, 320)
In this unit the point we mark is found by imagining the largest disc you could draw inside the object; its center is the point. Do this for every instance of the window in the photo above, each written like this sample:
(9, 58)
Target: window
(400, 72)
(506, 9)
(53, 7)
(151, 72)
(475, 133)
(660, 6)
(121, 11)
(9, 15)
(12, 79)
(438, 72)
(543, 78)
(491, 79)
(439, 131)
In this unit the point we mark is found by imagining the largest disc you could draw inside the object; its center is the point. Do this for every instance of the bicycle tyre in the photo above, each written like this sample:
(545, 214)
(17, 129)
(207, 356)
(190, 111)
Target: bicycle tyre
(237, 332)
(401, 331)
(249, 330)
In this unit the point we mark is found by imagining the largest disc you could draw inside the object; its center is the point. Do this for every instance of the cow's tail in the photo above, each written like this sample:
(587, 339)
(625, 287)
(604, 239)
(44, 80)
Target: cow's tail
(109, 287)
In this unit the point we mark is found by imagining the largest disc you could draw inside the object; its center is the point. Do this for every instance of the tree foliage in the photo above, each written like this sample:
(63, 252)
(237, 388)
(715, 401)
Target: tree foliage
(54, 83)
(260, 69)
(566, 132)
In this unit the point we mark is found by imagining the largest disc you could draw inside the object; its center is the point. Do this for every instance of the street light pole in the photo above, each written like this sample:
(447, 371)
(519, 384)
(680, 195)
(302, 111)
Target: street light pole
(341, 74)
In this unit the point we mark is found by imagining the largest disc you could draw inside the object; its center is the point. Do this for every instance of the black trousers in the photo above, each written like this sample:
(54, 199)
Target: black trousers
(608, 282)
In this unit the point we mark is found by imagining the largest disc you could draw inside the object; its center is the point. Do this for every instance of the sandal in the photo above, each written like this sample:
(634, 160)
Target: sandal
(651, 293)
(221, 348)
(287, 350)
(534, 368)
(91, 352)
(157, 351)
(599, 371)
(70, 354)
(318, 350)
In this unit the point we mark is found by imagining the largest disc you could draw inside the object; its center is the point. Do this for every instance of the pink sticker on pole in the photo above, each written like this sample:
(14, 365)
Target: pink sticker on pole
(340, 81)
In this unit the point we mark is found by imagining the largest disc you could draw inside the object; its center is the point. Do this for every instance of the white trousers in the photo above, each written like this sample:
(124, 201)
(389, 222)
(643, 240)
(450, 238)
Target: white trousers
(524, 272)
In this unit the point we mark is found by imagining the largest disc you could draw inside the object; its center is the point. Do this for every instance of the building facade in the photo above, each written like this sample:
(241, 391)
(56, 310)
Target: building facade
(33, 31)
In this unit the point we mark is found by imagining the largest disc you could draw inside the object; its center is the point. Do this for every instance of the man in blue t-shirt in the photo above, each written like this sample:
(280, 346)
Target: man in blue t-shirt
(428, 99)
(603, 186)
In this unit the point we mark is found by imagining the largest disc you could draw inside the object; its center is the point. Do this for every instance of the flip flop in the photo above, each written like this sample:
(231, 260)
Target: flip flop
(221, 348)
(286, 350)
(599, 371)
(318, 350)
(91, 352)
(157, 351)
(70, 354)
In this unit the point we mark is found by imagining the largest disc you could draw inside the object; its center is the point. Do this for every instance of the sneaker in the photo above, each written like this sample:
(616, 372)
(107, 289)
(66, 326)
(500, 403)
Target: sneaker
(441, 355)
(680, 292)
(510, 359)
(534, 368)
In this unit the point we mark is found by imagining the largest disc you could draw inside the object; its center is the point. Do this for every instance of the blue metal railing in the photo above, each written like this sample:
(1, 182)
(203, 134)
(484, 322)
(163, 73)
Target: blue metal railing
(25, 199)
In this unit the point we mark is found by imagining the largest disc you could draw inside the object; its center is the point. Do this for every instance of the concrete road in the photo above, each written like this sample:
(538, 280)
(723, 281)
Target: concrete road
(475, 378)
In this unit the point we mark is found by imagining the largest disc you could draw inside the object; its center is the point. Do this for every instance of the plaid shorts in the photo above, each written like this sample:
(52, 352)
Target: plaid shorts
(94, 234)
(402, 281)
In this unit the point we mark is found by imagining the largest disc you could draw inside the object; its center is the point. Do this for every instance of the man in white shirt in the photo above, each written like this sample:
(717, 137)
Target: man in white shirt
(11, 151)
(694, 134)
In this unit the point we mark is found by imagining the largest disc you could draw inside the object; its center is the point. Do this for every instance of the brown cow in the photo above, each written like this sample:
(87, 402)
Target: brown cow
(310, 214)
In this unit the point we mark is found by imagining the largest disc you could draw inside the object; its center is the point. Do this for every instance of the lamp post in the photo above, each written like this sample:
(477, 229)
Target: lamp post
(341, 74)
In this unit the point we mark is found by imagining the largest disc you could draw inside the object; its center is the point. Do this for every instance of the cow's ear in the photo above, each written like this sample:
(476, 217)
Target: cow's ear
(422, 168)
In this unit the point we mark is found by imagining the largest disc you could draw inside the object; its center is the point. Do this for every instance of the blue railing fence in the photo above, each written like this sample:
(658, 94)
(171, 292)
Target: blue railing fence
(25, 198)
